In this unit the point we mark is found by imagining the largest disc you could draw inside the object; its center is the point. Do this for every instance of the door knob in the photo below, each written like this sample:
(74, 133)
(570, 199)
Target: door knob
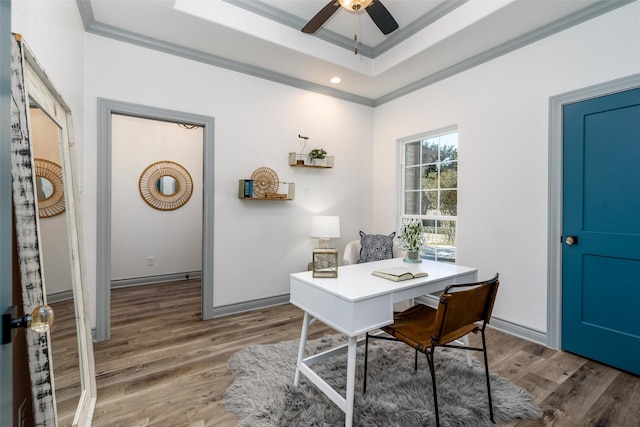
(40, 320)
(571, 240)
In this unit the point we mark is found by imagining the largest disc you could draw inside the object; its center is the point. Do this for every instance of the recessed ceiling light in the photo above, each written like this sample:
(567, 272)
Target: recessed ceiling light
(335, 80)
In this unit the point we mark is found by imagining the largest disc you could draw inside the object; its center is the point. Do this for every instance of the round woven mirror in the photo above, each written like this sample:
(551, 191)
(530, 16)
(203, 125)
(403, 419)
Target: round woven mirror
(165, 185)
(49, 188)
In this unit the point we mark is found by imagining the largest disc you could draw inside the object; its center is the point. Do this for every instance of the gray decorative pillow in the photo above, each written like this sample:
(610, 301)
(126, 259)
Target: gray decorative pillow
(376, 247)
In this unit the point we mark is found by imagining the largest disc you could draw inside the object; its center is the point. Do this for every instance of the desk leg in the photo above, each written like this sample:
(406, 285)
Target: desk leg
(303, 341)
(351, 380)
(465, 341)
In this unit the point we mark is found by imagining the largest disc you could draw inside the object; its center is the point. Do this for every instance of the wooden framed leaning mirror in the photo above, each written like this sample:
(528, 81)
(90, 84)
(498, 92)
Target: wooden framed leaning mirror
(48, 240)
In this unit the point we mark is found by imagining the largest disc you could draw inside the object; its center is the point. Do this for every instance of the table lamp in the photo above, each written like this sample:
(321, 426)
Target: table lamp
(325, 259)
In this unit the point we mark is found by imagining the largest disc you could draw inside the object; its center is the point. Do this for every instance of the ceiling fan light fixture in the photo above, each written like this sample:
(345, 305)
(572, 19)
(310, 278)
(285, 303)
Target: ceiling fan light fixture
(355, 5)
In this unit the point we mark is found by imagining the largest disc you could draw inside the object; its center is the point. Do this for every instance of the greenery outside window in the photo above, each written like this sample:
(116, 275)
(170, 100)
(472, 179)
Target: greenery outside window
(430, 190)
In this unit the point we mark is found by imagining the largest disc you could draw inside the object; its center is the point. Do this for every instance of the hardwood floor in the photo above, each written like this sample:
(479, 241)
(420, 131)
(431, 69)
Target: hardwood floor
(163, 366)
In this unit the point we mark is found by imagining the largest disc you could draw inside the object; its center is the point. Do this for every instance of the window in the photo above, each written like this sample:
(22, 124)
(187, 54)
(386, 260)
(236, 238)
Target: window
(430, 190)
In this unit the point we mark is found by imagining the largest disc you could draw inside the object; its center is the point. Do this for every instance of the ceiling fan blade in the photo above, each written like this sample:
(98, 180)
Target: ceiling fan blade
(321, 17)
(381, 17)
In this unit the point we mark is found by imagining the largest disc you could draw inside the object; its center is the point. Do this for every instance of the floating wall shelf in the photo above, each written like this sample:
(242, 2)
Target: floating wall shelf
(303, 161)
(286, 191)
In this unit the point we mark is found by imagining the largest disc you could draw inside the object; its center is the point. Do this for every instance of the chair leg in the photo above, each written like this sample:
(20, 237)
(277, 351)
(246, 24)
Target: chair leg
(366, 354)
(415, 362)
(486, 369)
(432, 369)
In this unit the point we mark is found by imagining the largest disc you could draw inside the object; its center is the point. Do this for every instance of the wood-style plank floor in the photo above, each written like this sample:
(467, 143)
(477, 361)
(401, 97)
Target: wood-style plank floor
(164, 366)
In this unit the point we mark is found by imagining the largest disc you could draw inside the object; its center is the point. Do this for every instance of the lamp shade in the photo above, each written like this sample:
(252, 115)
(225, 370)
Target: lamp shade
(325, 227)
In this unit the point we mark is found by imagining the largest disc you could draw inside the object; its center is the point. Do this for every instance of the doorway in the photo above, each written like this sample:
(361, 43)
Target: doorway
(580, 285)
(106, 110)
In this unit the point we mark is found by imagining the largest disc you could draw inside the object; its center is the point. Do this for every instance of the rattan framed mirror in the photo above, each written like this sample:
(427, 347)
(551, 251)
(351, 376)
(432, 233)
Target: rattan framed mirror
(49, 188)
(165, 185)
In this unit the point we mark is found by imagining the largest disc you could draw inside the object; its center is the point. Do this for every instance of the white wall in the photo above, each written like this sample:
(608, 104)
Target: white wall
(257, 122)
(53, 30)
(55, 34)
(173, 238)
(502, 109)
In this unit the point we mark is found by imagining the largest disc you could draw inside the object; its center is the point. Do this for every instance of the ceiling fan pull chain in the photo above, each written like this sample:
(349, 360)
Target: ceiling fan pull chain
(355, 36)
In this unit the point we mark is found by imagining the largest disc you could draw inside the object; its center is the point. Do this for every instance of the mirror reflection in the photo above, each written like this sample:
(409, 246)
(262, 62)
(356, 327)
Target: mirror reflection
(167, 185)
(48, 174)
(46, 138)
(44, 188)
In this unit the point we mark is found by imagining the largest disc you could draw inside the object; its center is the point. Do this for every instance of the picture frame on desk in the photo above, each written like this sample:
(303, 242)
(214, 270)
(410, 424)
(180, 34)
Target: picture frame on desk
(325, 263)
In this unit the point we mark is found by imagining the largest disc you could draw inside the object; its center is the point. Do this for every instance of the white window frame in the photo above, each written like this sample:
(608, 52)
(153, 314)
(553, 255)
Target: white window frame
(402, 217)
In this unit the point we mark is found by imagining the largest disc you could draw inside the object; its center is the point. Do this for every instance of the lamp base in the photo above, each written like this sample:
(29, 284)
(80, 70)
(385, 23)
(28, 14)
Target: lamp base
(323, 243)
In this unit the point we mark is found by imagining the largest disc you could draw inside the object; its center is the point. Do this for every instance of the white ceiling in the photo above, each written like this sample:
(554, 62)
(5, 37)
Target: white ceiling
(436, 38)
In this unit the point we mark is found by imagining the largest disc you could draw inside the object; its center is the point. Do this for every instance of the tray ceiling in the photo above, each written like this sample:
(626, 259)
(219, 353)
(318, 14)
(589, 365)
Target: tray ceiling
(435, 39)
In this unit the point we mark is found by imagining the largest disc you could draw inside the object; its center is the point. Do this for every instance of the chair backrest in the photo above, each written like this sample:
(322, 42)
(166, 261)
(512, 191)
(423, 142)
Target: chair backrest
(459, 311)
(351, 253)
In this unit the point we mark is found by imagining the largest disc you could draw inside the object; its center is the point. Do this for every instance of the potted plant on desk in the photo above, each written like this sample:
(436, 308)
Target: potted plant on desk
(317, 155)
(412, 240)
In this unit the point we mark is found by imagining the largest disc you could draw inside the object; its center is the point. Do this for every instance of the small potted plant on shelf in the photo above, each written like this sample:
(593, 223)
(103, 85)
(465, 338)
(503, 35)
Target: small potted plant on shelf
(412, 240)
(317, 155)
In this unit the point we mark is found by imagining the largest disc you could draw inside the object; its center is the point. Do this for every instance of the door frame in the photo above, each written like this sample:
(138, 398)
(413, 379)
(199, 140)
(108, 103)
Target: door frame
(106, 108)
(554, 236)
(6, 235)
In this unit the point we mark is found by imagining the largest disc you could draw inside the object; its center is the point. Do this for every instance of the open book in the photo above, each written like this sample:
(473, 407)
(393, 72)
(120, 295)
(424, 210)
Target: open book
(398, 273)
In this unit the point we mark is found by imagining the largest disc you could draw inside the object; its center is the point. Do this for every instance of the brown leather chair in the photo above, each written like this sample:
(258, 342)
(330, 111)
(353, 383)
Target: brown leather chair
(459, 312)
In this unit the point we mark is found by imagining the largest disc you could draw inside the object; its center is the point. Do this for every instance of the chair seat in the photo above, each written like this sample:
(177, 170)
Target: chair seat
(459, 312)
(415, 327)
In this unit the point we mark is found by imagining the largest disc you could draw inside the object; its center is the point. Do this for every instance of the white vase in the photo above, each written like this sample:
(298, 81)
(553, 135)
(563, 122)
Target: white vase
(413, 257)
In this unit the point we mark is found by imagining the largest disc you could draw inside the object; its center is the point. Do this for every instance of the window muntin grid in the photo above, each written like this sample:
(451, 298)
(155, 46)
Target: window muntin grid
(430, 190)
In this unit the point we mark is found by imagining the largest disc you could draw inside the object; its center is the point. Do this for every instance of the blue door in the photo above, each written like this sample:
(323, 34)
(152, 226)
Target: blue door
(601, 230)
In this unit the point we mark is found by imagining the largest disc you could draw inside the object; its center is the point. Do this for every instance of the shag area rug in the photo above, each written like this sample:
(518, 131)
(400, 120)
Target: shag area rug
(263, 393)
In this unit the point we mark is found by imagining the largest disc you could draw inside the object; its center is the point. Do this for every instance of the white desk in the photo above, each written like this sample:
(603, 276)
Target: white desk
(357, 302)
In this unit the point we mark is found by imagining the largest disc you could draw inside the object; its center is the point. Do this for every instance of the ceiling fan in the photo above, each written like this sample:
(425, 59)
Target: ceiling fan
(376, 10)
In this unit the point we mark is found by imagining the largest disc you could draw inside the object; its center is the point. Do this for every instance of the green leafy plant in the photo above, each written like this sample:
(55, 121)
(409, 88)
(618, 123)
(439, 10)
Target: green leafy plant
(317, 153)
(411, 236)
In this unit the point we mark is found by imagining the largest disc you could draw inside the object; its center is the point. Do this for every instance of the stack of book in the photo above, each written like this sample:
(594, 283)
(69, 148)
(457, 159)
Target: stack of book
(245, 188)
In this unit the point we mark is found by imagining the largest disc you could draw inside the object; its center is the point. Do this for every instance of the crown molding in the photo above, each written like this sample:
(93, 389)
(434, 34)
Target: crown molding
(597, 9)
(584, 15)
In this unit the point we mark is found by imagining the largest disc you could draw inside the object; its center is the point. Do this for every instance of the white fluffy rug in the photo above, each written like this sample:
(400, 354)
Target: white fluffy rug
(263, 393)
